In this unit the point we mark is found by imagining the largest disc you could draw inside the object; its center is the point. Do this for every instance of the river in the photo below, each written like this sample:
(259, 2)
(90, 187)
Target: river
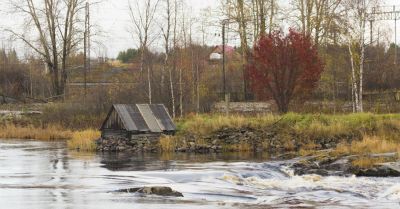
(47, 175)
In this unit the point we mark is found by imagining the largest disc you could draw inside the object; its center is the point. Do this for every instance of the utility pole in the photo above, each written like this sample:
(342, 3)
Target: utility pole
(386, 14)
(85, 49)
(88, 35)
(395, 36)
(226, 95)
(223, 59)
(371, 32)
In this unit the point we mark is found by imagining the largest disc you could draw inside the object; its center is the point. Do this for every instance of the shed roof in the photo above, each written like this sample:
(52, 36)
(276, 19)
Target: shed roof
(143, 117)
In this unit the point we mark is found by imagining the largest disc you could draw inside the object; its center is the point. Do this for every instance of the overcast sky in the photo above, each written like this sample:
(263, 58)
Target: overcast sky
(112, 18)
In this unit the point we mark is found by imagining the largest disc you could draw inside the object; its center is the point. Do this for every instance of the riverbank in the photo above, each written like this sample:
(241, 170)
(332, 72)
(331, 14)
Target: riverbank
(360, 143)
(370, 139)
(290, 132)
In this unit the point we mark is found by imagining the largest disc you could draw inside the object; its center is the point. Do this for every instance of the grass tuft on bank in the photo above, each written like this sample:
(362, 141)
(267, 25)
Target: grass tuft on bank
(369, 145)
(84, 140)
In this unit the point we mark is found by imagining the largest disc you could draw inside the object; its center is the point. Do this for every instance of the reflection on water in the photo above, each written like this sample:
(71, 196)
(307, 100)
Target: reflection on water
(47, 175)
(167, 161)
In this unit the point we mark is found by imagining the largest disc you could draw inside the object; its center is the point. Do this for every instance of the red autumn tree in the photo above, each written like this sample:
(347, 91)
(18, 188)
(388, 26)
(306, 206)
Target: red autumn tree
(284, 66)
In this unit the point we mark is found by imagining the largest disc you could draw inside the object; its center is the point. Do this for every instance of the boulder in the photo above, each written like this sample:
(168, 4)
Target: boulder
(381, 170)
(156, 190)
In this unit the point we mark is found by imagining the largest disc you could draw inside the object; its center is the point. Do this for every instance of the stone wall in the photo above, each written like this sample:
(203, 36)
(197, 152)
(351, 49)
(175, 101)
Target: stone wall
(137, 143)
(228, 140)
(244, 107)
(386, 104)
(257, 140)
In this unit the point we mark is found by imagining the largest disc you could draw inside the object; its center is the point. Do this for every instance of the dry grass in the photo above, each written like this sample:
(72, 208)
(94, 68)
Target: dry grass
(368, 162)
(369, 145)
(11, 131)
(307, 125)
(77, 140)
(307, 129)
(240, 147)
(308, 149)
(84, 140)
(316, 129)
(168, 143)
(205, 124)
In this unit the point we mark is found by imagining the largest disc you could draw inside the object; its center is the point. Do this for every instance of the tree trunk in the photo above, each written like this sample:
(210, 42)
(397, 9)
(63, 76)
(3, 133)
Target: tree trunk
(271, 16)
(362, 60)
(353, 79)
(172, 93)
(149, 84)
(263, 27)
(180, 92)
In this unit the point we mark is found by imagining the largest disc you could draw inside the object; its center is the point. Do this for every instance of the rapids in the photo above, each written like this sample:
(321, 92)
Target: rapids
(47, 175)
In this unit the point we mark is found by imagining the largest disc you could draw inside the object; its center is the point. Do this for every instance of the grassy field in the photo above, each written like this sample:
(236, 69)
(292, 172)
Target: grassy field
(306, 124)
(378, 133)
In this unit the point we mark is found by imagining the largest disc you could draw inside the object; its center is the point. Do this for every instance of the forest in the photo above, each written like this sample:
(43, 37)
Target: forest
(172, 62)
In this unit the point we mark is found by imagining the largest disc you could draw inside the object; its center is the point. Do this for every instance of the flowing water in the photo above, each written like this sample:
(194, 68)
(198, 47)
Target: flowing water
(46, 175)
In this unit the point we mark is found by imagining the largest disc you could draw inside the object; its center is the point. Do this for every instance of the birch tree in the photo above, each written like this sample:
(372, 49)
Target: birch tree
(261, 12)
(142, 14)
(356, 17)
(315, 17)
(166, 29)
(53, 32)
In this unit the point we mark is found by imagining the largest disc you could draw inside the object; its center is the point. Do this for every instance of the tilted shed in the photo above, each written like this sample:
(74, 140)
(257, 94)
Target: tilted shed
(126, 120)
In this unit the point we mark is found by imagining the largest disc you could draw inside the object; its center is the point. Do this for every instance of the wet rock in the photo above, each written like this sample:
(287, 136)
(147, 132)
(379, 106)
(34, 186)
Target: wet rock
(381, 170)
(304, 166)
(160, 191)
(323, 164)
(182, 149)
(129, 190)
(192, 144)
(342, 164)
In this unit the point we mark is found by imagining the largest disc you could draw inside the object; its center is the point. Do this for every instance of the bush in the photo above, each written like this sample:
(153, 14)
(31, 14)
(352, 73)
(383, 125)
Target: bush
(73, 116)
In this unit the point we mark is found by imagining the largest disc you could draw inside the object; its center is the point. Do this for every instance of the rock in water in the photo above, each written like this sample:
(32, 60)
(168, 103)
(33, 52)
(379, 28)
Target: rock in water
(381, 170)
(160, 191)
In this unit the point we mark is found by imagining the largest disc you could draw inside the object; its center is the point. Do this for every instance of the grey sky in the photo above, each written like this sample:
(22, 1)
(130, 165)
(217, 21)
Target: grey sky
(112, 18)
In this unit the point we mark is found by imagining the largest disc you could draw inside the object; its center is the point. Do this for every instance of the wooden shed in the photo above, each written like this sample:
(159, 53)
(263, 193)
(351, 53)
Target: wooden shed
(128, 120)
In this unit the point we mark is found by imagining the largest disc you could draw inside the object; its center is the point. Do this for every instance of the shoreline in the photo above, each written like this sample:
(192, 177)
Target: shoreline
(362, 144)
